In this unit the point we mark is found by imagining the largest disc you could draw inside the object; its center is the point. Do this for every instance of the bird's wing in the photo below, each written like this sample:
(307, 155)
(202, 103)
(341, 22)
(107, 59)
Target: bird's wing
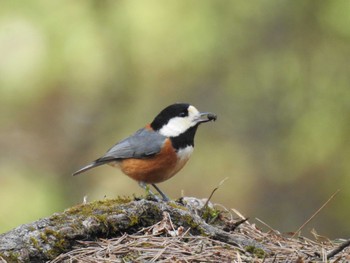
(144, 143)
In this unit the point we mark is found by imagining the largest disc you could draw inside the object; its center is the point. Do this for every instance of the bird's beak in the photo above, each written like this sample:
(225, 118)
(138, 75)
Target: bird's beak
(206, 116)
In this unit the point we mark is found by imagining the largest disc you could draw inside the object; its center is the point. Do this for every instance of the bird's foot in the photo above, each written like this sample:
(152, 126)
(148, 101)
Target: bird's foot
(149, 193)
(165, 198)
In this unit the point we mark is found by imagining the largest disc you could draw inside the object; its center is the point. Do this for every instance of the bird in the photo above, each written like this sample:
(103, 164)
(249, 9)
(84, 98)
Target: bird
(156, 152)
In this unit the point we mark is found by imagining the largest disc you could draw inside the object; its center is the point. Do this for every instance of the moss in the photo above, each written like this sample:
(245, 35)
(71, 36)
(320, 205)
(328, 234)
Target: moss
(55, 217)
(102, 205)
(60, 244)
(31, 228)
(35, 243)
(177, 206)
(98, 209)
(258, 252)
(210, 214)
(189, 222)
(44, 237)
(130, 257)
(50, 232)
(147, 245)
(58, 219)
(53, 253)
(102, 218)
(134, 220)
(11, 257)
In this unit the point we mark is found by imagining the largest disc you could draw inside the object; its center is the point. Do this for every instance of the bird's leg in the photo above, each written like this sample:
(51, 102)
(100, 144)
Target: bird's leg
(148, 191)
(165, 198)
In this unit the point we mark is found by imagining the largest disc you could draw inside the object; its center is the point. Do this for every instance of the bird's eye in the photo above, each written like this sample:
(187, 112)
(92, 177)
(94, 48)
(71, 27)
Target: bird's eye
(182, 114)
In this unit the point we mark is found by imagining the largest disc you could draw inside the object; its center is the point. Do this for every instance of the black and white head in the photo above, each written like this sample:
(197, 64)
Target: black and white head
(180, 122)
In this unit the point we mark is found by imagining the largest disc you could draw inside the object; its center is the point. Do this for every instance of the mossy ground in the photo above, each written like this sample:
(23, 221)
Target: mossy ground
(58, 241)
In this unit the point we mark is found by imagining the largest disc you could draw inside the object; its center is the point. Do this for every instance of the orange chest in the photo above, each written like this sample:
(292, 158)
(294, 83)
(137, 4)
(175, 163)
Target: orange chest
(158, 168)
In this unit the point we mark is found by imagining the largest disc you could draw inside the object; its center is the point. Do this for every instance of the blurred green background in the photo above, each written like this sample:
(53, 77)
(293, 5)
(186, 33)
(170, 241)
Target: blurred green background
(77, 76)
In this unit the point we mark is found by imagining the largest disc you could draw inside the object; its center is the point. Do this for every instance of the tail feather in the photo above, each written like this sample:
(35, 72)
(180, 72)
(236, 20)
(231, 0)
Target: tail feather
(88, 167)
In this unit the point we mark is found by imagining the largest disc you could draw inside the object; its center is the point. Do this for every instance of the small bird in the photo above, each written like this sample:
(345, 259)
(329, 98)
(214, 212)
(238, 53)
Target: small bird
(158, 151)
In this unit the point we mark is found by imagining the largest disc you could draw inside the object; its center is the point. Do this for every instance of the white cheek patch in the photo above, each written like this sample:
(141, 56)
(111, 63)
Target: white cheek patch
(179, 125)
(176, 126)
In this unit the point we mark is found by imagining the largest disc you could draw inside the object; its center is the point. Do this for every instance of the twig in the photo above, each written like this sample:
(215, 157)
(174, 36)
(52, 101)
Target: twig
(315, 214)
(338, 249)
(212, 193)
(269, 227)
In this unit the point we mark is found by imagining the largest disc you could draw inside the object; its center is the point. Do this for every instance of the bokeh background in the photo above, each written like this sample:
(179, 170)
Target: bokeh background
(77, 76)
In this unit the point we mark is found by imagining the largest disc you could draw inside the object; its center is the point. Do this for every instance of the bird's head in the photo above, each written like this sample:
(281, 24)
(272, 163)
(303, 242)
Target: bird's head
(178, 118)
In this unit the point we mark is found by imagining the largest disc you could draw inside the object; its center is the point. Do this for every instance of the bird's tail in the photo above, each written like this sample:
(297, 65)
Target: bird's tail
(88, 167)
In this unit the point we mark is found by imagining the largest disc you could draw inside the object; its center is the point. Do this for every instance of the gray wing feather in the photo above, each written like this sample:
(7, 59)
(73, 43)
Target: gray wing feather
(143, 143)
